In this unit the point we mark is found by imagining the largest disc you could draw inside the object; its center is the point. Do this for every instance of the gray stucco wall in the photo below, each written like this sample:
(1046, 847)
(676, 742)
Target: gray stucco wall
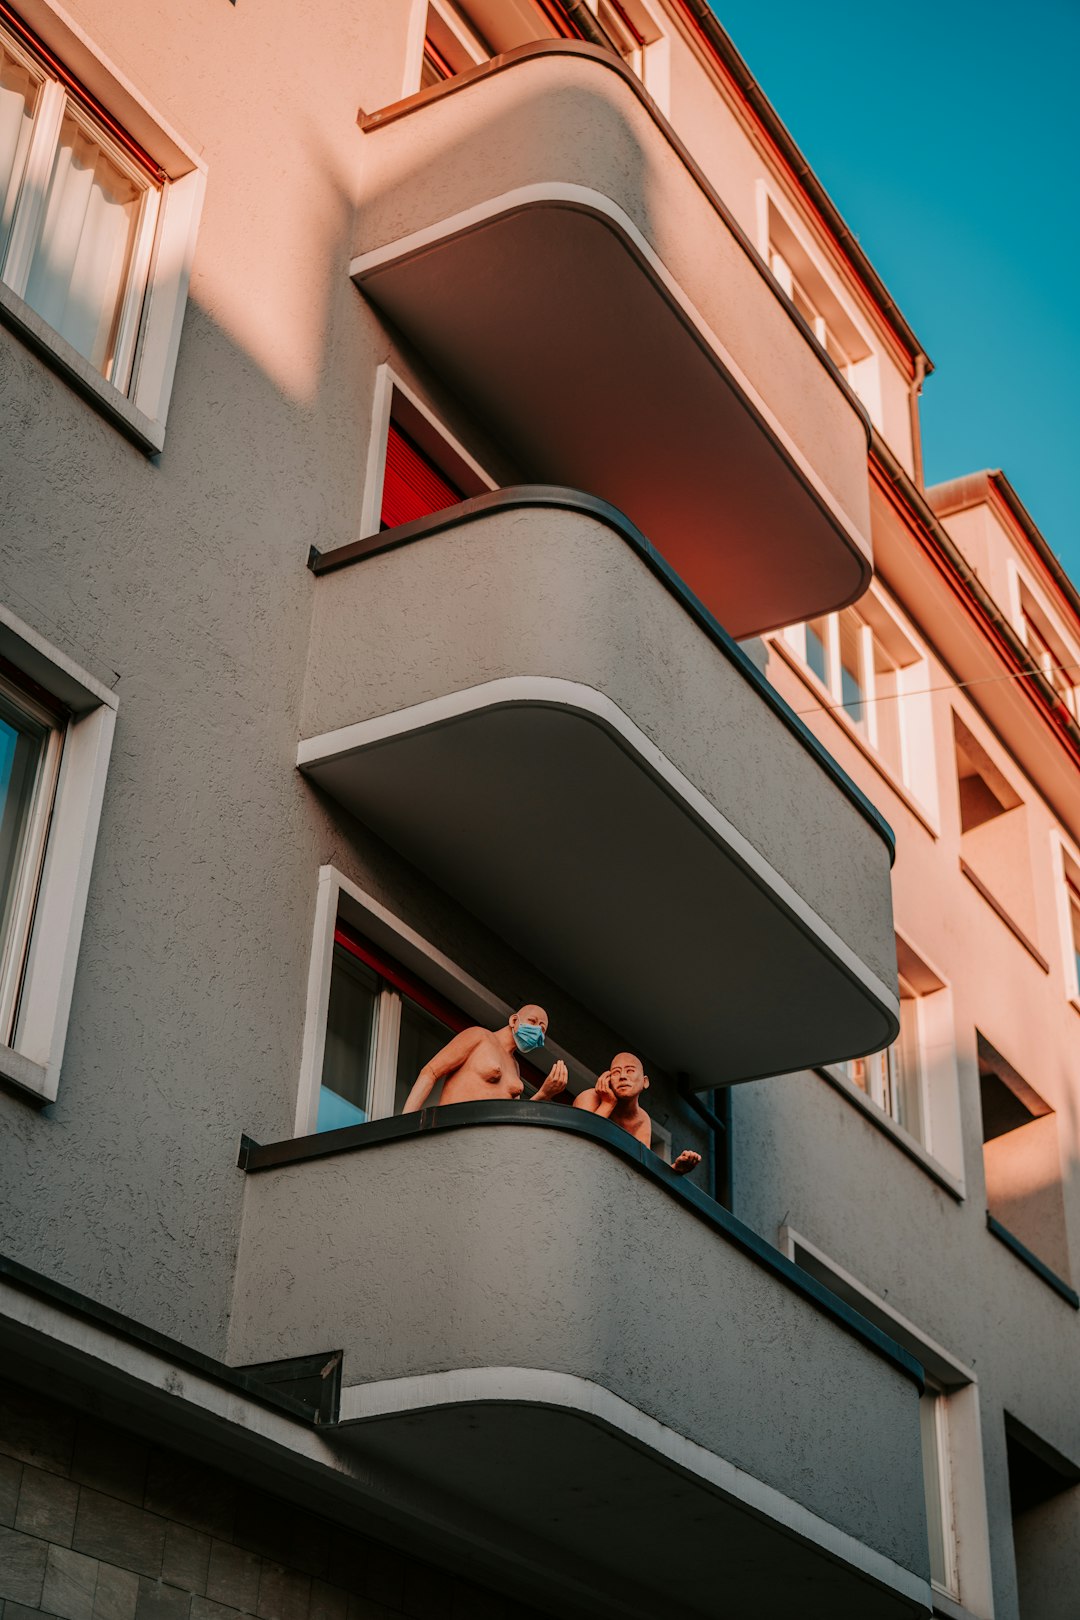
(517, 1246)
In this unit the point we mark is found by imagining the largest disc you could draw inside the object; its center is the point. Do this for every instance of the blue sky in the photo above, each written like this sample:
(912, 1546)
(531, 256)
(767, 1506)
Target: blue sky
(948, 135)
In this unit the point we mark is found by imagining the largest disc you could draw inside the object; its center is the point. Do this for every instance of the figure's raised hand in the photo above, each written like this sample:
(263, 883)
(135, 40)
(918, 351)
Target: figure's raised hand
(603, 1086)
(687, 1160)
(555, 1082)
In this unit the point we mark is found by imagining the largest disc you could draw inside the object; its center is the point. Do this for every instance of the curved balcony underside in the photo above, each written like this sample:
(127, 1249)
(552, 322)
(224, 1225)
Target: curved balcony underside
(621, 337)
(557, 1338)
(524, 701)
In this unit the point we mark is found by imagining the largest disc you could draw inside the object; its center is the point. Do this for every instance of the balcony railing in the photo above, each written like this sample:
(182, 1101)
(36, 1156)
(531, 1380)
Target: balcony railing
(541, 234)
(554, 1337)
(523, 684)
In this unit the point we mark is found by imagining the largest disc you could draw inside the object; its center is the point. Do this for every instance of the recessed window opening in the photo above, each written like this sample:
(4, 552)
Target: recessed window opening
(995, 844)
(1021, 1160)
(31, 737)
(937, 1485)
(1043, 1493)
(79, 209)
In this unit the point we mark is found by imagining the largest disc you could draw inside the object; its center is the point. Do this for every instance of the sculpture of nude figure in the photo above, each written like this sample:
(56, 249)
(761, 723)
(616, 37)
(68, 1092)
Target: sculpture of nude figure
(479, 1064)
(615, 1097)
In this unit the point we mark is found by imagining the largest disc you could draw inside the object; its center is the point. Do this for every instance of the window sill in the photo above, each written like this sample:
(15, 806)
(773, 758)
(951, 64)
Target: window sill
(949, 1609)
(1032, 1261)
(915, 1151)
(828, 706)
(79, 374)
(999, 910)
(25, 1076)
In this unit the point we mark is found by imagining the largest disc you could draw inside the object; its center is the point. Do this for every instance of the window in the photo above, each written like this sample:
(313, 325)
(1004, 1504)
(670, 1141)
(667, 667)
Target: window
(414, 465)
(951, 1441)
(1060, 666)
(828, 315)
(56, 726)
(894, 1078)
(31, 734)
(413, 485)
(460, 36)
(1022, 1161)
(877, 677)
(937, 1485)
(914, 1084)
(95, 236)
(382, 1026)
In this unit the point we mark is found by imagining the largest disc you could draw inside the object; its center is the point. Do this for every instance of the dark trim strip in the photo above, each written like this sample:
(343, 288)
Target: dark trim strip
(551, 1116)
(103, 1316)
(999, 911)
(607, 58)
(1032, 1261)
(554, 498)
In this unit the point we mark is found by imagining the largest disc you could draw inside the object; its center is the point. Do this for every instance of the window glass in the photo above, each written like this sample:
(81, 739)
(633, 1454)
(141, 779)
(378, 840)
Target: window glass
(19, 90)
(82, 257)
(420, 1036)
(29, 759)
(817, 644)
(852, 680)
(1074, 917)
(350, 1043)
(905, 1069)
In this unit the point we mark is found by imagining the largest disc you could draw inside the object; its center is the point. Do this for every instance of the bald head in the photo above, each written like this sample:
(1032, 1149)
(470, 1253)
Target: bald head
(628, 1077)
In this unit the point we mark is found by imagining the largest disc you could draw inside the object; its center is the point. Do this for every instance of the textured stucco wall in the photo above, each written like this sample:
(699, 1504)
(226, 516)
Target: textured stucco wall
(522, 1247)
(556, 593)
(181, 578)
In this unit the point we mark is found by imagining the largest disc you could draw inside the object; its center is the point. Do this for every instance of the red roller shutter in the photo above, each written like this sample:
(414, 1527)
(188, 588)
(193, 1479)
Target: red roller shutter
(412, 484)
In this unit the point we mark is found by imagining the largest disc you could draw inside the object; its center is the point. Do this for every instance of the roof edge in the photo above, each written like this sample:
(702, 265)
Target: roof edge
(720, 44)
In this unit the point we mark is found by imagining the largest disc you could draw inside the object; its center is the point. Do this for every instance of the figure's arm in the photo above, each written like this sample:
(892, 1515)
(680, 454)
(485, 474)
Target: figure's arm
(601, 1099)
(687, 1160)
(555, 1082)
(452, 1056)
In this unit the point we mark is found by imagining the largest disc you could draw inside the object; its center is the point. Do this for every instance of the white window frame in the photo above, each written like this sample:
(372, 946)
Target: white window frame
(654, 57)
(959, 1426)
(1020, 586)
(336, 896)
(940, 1152)
(863, 374)
(153, 313)
(387, 383)
(32, 1060)
(915, 775)
(32, 857)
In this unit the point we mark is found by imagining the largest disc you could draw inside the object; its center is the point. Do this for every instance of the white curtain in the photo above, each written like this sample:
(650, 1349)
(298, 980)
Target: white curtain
(80, 265)
(18, 97)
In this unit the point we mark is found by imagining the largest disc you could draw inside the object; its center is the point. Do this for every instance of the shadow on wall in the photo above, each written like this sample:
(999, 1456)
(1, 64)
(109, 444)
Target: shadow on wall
(1022, 1160)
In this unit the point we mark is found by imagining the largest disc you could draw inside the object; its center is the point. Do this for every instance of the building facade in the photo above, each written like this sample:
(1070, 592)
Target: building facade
(465, 544)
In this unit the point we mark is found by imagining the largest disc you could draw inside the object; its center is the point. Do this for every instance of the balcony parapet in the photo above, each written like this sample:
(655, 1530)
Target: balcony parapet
(541, 234)
(524, 679)
(522, 1293)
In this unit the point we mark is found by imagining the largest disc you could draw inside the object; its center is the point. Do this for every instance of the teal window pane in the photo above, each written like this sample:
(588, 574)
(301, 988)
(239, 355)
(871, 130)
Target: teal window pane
(22, 744)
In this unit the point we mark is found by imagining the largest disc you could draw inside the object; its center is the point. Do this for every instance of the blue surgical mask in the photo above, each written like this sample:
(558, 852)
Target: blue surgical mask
(527, 1037)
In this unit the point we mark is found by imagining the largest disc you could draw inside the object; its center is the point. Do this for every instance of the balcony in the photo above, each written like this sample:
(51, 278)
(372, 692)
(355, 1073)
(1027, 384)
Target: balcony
(521, 697)
(539, 232)
(570, 1353)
